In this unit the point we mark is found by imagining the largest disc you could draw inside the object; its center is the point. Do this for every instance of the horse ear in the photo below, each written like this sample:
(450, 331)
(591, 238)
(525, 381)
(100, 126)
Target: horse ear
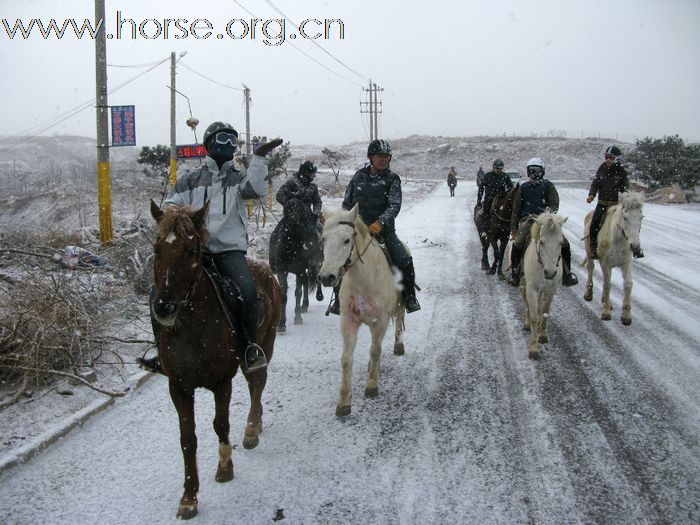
(354, 211)
(200, 216)
(156, 212)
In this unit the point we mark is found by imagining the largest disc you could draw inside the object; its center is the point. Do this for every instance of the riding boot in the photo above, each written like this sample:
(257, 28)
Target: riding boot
(593, 241)
(334, 307)
(568, 277)
(409, 289)
(515, 256)
(245, 319)
(152, 364)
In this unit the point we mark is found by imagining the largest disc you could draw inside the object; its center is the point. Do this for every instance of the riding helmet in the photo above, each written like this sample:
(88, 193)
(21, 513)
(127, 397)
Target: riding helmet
(378, 147)
(613, 150)
(538, 172)
(214, 128)
(307, 167)
(498, 163)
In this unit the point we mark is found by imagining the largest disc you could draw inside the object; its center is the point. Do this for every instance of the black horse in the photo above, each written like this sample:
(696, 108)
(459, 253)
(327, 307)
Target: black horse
(496, 233)
(295, 247)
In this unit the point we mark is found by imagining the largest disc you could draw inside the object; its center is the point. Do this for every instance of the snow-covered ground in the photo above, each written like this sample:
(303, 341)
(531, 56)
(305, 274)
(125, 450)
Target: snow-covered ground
(604, 429)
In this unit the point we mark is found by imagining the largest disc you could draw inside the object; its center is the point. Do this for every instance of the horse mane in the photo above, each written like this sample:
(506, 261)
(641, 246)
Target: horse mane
(178, 220)
(545, 222)
(337, 216)
(632, 200)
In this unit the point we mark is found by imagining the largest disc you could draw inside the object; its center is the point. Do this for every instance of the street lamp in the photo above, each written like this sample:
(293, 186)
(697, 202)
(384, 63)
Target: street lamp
(192, 122)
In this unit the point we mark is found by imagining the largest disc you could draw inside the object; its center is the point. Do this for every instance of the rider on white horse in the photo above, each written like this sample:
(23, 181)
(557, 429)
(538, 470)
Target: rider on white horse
(532, 198)
(377, 191)
(610, 179)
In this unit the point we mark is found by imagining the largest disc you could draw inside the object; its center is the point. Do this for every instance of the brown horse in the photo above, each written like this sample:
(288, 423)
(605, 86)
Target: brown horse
(197, 346)
(496, 233)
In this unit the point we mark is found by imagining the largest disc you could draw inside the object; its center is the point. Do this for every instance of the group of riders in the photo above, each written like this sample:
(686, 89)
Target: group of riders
(376, 190)
(538, 194)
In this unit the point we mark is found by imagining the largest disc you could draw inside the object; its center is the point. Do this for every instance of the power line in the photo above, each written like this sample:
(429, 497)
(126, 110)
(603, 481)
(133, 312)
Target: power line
(207, 78)
(317, 44)
(305, 54)
(56, 120)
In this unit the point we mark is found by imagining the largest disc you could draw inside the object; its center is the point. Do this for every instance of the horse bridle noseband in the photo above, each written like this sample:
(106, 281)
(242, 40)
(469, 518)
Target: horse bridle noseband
(348, 264)
(539, 256)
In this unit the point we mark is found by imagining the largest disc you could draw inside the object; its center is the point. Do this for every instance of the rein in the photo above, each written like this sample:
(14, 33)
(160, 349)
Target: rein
(538, 243)
(348, 264)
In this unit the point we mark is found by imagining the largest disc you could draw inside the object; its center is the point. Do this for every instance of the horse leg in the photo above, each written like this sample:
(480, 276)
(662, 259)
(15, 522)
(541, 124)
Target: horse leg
(377, 330)
(607, 307)
(222, 400)
(484, 253)
(626, 316)
(256, 384)
(305, 284)
(282, 280)
(494, 247)
(535, 314)
(501, 255)
(523, 293)
(184, 404)
(349, 329)
(590, 266)
(399, 327)
(298, 290)
(544, 317)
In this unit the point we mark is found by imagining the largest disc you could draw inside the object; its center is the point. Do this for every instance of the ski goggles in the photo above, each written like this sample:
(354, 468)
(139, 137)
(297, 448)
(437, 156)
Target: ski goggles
(224, 137)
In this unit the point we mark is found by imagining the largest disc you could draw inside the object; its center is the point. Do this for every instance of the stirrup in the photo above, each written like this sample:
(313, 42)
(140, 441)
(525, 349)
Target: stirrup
(569, 279)
(411, 305)
(253, 358)
(514, 279)
(334, 307)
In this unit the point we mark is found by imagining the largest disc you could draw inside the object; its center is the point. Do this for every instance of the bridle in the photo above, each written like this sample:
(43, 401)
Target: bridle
(538, 243)
(193, 287)
(348, 263)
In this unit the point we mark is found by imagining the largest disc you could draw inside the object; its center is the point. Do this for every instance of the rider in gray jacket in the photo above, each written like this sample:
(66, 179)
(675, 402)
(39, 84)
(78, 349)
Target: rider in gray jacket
(226, 189)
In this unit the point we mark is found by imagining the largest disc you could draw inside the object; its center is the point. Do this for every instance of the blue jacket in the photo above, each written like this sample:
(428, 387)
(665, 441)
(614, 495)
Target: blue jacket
(532, 198)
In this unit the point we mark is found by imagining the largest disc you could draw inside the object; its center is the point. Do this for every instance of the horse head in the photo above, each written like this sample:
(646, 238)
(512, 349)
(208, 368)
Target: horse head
(182, 233)
(341, 233)
(548, 238)
(631, 204)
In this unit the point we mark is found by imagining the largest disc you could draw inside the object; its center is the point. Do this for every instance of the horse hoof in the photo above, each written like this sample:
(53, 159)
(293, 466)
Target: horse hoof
(342, 411)
(588, 296)
(372, 392)
(281, 329)
(399, 349)
(298, 321)
(304, 309)
(251, 437)
(491, 271)
(187, 509)
(626, 322)
(606, 317)
(534, 354)
(543, 339)
(224, 474)
(502, 276)
(485, 267)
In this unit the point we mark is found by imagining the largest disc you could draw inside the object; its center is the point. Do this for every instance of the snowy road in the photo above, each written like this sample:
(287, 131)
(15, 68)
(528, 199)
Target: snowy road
(603, 429)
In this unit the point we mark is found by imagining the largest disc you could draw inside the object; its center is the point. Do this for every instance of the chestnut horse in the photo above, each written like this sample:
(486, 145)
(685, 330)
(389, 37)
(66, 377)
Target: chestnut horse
(198, 346)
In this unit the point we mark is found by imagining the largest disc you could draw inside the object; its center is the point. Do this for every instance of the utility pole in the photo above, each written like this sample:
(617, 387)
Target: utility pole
(246, 94)
(173, 135)
(373, 108)
(104, 190)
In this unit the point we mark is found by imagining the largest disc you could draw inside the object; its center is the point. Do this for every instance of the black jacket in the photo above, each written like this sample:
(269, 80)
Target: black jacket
(299, 187)
(494, 184)
(378, 196)
(608, 181)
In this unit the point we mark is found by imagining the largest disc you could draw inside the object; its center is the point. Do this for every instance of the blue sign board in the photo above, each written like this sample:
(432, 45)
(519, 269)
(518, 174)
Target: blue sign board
(123, 126)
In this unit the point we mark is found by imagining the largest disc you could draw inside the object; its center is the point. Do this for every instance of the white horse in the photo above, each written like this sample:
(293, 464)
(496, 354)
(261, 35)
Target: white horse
(542, 272)
(369, 294)
(618, 236)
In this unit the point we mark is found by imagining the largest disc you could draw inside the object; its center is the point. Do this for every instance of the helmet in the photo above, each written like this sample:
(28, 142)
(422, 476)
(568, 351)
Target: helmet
(613, 150)
(535, 168)
(307, 167)
(214, 128)
(378, 147)
(498, 163)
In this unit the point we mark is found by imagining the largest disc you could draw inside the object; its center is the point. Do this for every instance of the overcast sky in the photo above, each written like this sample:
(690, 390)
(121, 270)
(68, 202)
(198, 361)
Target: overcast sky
(618, 68)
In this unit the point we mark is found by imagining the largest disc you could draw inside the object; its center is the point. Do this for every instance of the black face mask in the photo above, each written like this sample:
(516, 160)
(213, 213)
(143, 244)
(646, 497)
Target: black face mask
(221, 153)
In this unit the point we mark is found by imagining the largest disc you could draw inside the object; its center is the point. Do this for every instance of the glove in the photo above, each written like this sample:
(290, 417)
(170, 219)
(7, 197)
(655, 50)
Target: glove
(376, 228)
(589, 199)
(267, 147)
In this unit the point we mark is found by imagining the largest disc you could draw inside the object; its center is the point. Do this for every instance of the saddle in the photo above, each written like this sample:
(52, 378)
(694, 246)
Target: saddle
(229, 294)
